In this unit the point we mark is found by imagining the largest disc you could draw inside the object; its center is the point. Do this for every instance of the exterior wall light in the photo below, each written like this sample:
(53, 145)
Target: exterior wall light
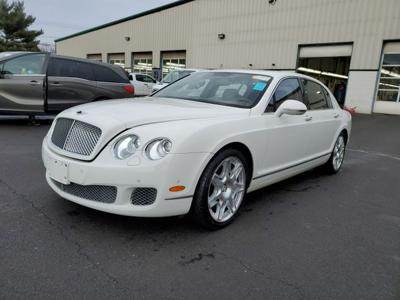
(221, 36)
(127, 38)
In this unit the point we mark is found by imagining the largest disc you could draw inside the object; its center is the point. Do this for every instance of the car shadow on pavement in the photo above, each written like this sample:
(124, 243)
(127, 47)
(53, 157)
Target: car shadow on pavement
(262, 199)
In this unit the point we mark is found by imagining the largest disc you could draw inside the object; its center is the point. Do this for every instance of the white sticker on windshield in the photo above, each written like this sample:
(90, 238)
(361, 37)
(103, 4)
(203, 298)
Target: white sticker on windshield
(262, 78)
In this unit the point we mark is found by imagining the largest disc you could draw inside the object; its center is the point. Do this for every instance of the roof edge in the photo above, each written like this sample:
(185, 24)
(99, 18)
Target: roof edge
(132, 17)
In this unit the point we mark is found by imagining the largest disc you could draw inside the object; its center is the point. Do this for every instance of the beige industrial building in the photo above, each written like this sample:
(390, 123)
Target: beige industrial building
(353, 46)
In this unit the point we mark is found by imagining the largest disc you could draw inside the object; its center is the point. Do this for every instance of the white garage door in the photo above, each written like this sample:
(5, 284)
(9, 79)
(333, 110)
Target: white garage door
(117, 59)
(326, 51)
(388, 97)
(173, 60)
(143, 63)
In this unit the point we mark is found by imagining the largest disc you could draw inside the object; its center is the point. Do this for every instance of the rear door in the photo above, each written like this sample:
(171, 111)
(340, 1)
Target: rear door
(323, 115)
(149, 82)
(70, 83)
(22, 83)
(140, 85)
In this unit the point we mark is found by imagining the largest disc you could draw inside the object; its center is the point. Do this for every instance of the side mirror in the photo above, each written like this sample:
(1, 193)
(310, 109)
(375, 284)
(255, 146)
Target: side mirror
(291, 107)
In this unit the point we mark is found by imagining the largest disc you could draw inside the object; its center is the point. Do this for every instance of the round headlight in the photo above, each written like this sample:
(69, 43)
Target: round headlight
(158, 148)
(126, 146)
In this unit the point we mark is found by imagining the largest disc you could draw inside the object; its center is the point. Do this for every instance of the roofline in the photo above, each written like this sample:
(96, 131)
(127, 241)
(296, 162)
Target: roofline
(132, 17)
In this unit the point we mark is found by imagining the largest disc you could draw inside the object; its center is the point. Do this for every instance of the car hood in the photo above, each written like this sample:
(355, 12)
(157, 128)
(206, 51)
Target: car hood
(117, 115)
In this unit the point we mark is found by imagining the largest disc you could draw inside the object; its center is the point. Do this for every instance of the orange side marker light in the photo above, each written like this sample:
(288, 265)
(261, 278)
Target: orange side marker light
(177, 188)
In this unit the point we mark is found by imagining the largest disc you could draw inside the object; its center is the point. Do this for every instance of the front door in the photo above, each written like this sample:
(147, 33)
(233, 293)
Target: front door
(22, 84)
(289, 138)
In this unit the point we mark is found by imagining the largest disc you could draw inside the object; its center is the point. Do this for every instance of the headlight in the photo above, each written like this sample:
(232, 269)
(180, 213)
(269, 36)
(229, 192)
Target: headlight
(158, 148)
(126, 146)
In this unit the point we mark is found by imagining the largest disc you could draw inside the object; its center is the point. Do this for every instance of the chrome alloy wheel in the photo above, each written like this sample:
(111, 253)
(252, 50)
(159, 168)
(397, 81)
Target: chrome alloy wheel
(338, 153)
(227, 189)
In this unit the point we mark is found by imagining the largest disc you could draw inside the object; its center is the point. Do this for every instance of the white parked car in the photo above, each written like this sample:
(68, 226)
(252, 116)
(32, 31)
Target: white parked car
(173, 76)
(142, 83)
(197, 146)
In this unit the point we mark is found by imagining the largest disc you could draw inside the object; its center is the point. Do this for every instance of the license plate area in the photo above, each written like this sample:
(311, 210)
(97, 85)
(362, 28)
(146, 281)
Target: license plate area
(58, 170)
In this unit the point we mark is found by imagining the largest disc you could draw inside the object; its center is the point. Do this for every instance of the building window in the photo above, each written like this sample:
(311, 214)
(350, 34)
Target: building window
(143, 66)
(389, 83)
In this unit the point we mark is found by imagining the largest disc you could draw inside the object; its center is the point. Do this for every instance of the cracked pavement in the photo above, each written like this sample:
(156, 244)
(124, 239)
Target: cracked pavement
(310, 237)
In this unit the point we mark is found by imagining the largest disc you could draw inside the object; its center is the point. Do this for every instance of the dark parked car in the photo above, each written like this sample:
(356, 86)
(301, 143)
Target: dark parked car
(34, 83)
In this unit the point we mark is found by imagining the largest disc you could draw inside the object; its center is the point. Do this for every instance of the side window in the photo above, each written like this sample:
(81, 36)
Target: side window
(140, 77)
(68, 68)
(130, 77)
(328, 98)
(148, 79)
(315, 95)
(106, 74)
(25, 65)
(288, 89)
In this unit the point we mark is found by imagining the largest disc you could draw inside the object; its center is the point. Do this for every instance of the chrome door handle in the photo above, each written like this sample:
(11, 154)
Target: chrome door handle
(308, 118)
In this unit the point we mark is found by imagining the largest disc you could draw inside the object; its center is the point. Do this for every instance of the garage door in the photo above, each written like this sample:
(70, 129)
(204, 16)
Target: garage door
(116, 59)
(96, 57)
(329, 64)
(143, 62)
(173, 60)
(388, 97)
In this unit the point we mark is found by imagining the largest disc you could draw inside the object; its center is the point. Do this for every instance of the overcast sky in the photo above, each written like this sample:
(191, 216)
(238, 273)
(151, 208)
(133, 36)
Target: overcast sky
(59, 18)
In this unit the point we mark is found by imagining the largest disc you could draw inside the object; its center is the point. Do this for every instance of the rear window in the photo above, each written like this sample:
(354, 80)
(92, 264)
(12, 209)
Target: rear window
(69, 68)
(105, 74)
(315, 95)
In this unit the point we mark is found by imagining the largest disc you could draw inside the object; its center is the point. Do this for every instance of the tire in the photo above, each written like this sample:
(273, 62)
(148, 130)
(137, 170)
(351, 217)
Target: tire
(221, 190)
(335, 162)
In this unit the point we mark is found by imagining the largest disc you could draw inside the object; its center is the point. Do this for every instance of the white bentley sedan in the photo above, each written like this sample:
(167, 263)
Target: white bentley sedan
(197, 146)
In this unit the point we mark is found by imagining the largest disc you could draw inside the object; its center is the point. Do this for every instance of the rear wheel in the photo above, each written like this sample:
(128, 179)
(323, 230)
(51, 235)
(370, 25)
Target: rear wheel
(335, 162)
(221, 189)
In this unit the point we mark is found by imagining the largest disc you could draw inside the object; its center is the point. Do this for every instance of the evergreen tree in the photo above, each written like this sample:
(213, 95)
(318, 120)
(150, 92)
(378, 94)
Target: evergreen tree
(14, 24)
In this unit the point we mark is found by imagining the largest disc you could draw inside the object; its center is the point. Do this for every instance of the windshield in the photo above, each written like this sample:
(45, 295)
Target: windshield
(224, 88)
(175, 75)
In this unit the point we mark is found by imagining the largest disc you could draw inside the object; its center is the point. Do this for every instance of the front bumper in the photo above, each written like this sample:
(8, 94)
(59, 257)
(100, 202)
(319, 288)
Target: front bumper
(127, 176)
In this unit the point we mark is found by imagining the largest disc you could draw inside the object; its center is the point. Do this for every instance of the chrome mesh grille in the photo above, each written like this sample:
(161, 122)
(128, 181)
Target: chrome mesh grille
(143, 196)
(75, 136)
(98, 193)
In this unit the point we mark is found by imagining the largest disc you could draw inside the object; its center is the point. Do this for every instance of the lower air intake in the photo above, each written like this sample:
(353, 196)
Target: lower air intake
(98, 193)
(143, 196)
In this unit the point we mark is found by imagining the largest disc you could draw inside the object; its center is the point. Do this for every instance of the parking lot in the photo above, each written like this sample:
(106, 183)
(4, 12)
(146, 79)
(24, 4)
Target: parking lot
(311, 237)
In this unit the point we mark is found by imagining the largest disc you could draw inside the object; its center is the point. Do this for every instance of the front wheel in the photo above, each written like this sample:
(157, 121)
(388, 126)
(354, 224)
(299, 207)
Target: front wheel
(221, 189)
(335, 162)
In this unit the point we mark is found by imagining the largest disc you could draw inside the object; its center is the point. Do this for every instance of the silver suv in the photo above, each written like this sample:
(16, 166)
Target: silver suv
(35, 83)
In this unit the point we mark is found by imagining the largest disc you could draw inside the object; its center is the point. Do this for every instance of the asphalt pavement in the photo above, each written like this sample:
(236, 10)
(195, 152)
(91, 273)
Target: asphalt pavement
(311, 237)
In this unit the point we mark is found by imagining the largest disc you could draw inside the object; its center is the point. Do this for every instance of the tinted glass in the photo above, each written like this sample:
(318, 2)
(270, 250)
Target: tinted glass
(105, 74)
(288, 89)
(391, 59)
(314, 95)
(149, 79)
(140, 77)
(328, 98)
(69, 68)
(224, 88)
(25, 65)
